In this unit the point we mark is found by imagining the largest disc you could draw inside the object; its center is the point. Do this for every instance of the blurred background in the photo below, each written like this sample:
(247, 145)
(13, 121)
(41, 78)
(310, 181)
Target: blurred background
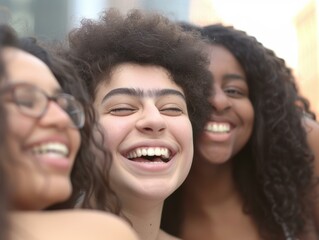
(289, 27)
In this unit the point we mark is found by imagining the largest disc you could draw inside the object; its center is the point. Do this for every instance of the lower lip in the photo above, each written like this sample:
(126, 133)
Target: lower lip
(148, 166)
(218, 137)
(57, 163)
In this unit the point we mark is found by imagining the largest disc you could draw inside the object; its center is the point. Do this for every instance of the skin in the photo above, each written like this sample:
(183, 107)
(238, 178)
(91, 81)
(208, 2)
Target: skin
(39, 179)
(227, 132)
(312, 129)
(153, 116)
(232, 110)
(86, 224)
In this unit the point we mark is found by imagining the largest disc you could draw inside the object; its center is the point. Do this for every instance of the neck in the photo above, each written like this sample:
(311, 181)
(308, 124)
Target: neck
(216, 183)
(212, 201)
(145, 217)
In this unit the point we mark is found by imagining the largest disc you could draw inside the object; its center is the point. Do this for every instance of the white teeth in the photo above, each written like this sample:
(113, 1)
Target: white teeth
(151, 151)
(51, 148)
(218, 127)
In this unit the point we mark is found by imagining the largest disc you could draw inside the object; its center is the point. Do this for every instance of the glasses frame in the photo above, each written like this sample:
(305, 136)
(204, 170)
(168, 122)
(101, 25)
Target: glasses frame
(11, 88)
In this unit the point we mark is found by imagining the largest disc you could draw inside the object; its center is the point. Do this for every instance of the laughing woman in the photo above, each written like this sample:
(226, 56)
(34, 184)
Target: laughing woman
(45, 129)
(150, 84)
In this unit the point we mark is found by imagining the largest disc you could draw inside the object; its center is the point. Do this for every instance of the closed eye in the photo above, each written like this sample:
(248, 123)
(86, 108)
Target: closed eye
(28, 103)
(123, 111)
(235, 92)
(172, 111)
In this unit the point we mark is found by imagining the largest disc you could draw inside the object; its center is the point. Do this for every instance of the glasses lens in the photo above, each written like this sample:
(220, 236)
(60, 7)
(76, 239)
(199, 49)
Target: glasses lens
(30, 100)
(73, 108)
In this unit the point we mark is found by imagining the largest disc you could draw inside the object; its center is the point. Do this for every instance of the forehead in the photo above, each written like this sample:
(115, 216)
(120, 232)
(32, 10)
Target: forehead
(221, 59)
(23, 67)
(134, 76)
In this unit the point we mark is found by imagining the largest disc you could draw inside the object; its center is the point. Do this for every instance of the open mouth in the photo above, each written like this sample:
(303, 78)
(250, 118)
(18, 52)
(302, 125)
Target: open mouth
(215, 127)
(52, 148)
(150, 154)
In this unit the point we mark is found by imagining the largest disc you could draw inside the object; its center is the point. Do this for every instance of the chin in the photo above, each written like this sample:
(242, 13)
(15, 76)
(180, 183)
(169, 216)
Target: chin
(58, 193)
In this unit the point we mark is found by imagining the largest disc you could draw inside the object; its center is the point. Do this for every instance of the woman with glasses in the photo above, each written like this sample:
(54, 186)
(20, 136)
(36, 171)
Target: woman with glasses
(4, 189)
(49, 137)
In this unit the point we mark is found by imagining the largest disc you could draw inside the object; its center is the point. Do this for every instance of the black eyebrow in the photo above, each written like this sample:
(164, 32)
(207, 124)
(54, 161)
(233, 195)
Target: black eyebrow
(234, 76)
(141, 93)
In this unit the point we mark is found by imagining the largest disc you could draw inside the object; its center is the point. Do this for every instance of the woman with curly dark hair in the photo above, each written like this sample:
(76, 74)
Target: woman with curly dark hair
(49, 137)
(252, 175)
(150, 83)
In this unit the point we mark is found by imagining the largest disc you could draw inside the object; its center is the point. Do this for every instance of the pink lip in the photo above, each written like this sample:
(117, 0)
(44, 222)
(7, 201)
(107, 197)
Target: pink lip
(146, 167)
(60, 164)
(220, 137)
(222, 120)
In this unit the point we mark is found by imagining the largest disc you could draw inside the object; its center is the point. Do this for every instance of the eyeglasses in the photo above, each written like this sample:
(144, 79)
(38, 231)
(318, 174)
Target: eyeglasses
(34, 102)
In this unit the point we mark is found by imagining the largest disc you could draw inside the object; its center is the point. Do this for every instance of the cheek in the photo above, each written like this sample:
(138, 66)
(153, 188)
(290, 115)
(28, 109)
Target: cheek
(19, 125)
(183, 132)
(115, 130)
(250, 116)
(75, 136)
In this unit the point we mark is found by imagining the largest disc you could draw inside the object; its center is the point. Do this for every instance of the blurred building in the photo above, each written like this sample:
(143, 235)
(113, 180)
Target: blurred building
(307, 26)
(52, 19)
(41, 18)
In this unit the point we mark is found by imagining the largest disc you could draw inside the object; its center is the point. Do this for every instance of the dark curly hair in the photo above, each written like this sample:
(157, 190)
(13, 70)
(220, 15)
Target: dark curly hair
(4, 188)
(274, 171)
(86, 176)
(6, 37)
(97, 47)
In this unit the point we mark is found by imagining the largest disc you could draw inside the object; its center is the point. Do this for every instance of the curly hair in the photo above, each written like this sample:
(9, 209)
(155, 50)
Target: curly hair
(86, 176)
(97, 47)
(274, 171)
(6, 37)
(4, 189)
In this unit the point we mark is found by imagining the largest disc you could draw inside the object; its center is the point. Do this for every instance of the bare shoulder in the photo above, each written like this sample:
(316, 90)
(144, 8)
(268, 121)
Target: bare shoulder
(103, 225)
(312, 130)
(71, 224)
(311, 126)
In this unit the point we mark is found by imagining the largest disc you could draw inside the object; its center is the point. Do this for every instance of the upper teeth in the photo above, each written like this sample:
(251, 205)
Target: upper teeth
(218, 127)
(150, 151)
(57, 148)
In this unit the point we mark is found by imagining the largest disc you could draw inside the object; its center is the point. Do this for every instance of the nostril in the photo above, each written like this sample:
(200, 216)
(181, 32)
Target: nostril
(149, 129)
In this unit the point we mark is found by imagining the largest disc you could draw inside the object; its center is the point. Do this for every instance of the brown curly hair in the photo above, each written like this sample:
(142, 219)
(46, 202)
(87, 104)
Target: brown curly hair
(145, 38)
(86, 176)
(7, 37)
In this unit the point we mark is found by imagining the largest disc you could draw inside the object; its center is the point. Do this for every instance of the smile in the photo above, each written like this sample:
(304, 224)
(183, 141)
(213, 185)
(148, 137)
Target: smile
(150, 154)
(58, 149)
(215, 127)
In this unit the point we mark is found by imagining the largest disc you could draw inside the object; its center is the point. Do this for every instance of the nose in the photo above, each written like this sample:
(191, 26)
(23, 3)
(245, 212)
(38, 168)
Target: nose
(220, 101)
(151, 121)
(56, 116)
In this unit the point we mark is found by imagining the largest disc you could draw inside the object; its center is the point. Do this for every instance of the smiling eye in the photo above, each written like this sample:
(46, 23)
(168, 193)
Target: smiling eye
(234, 92)
(172, 111)
(122, 111)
